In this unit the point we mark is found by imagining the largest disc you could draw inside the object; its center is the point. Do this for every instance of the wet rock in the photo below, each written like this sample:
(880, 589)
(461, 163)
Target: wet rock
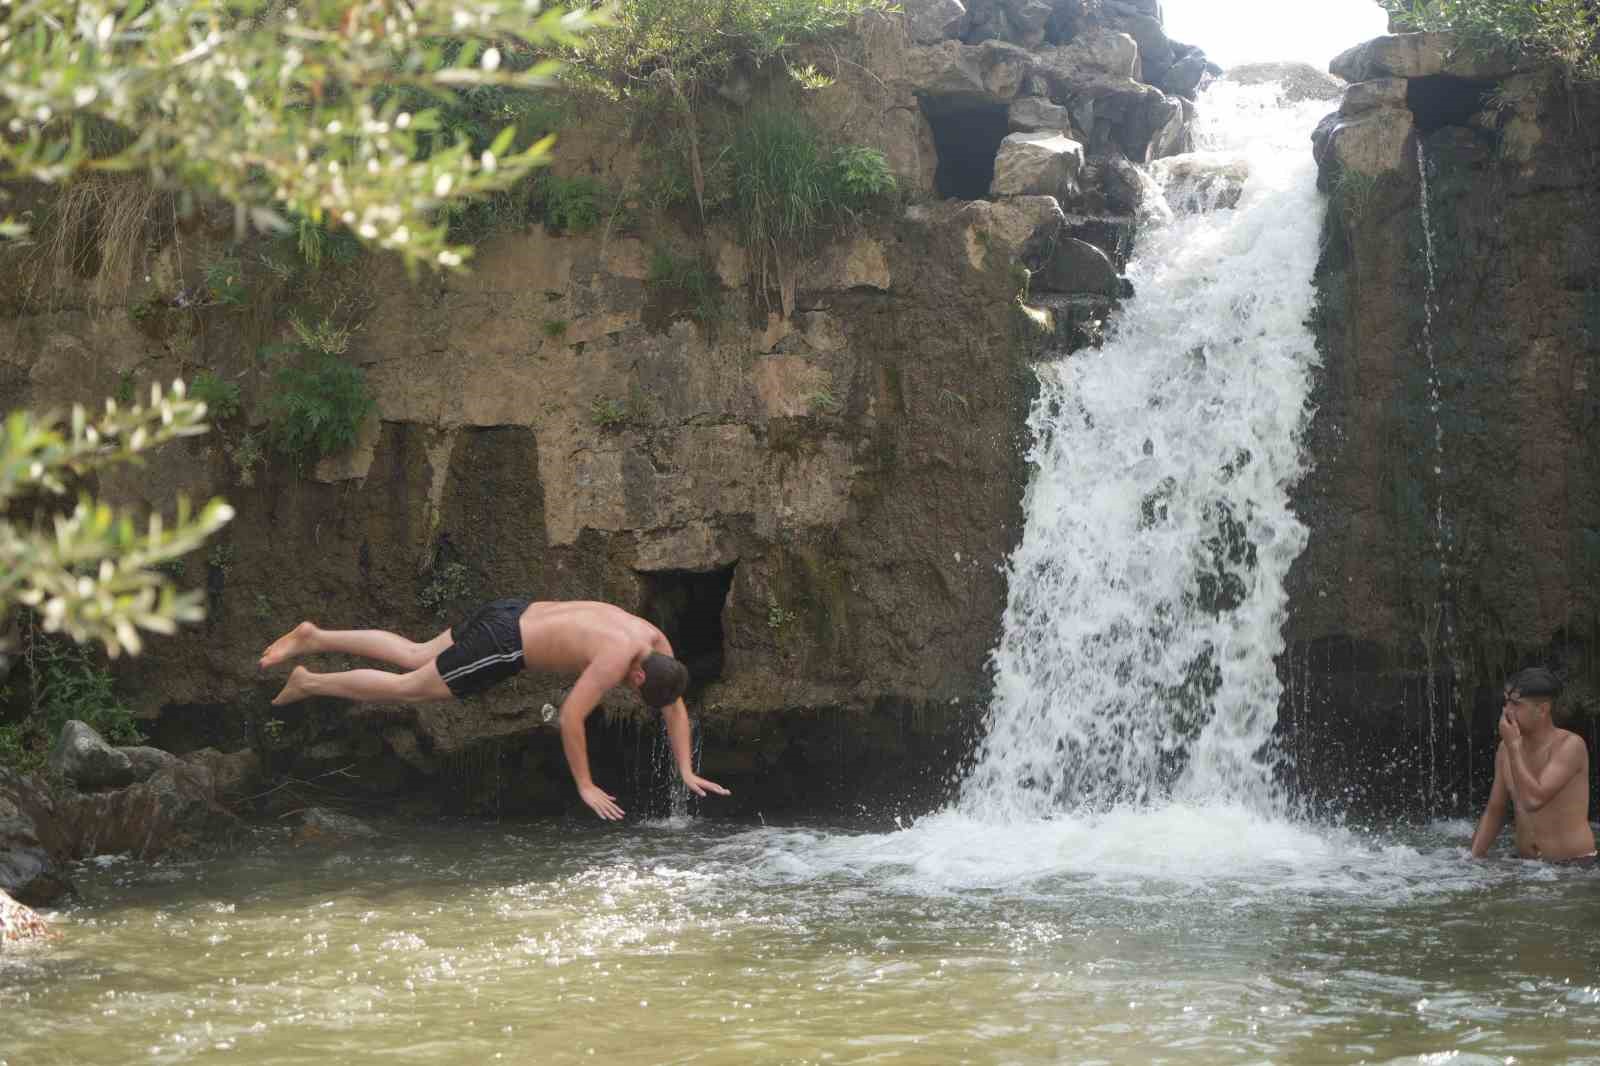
(233, 774)
(1197, 183)
(322, 826)
(146, 762)
(18, 924)
(1037, 164)
(1185, 74)
(1078, 267)
(83, 757)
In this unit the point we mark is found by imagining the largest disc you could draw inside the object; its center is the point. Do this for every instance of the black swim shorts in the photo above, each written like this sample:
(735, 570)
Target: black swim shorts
(487, 648)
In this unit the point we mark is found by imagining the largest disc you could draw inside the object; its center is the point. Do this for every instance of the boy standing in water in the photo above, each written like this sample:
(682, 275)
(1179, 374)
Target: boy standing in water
(603, 645)
(1544, 772)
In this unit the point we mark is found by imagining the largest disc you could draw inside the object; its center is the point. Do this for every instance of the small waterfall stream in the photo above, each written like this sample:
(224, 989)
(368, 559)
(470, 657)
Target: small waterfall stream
(1441, 623)
(1147, 596)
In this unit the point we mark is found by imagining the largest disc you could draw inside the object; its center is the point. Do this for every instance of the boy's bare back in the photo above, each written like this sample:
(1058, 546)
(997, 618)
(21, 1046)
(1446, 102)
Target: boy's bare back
(567, 636)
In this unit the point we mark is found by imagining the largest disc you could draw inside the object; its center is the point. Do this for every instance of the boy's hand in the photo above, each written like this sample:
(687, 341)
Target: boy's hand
(700, 786)
(601, 802)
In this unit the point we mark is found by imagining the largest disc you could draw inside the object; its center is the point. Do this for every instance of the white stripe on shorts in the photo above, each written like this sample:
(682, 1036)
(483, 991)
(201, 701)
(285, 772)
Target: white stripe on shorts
(479, 664)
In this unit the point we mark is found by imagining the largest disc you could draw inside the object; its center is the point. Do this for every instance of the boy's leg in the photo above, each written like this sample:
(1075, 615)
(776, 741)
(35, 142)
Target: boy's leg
(306, 638)
(371, 686)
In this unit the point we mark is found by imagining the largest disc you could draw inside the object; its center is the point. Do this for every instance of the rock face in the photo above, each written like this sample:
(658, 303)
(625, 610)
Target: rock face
(1453, 540)
(811, 484)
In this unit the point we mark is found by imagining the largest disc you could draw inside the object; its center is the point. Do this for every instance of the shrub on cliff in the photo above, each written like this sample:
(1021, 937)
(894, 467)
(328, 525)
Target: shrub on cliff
(277, 108)
(700, 42)
(1565, 31)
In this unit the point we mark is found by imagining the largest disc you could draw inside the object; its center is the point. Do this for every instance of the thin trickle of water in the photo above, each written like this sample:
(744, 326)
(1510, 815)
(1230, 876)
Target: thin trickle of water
(1146, 598)
(1442, 617)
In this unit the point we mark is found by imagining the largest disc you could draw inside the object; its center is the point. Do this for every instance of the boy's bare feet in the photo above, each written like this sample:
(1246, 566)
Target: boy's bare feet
(295, 642)
(296, 688)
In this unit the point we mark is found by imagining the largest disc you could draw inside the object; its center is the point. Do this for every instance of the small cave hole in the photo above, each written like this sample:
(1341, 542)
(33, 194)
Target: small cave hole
(687, 605)
(1441, 100)
(966, 134)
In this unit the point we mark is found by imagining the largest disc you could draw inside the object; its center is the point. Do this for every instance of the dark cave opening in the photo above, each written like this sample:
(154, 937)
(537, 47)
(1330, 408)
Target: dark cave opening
(1445, 100)
(966, 134)
(687, 605)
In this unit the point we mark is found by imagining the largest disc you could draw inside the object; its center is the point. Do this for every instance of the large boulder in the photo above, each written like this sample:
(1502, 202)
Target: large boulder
(931, 21)
(1037, 164)
(1372, 143)
(1093, 55)
(83, 757)
(1421, 55)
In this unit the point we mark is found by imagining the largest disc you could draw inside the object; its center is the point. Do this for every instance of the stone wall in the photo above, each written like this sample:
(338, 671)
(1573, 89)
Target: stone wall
(1454, 507)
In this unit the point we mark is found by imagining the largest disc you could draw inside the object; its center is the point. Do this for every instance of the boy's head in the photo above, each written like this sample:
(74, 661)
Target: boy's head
(665, 680)
(1535, 687)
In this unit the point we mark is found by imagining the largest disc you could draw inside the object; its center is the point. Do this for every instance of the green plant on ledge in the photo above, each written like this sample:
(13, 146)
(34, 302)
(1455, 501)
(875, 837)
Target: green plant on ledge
(220, 397)
(570, 205)
(822, 402)
(693, 278)
(609, 413)
(777, 616)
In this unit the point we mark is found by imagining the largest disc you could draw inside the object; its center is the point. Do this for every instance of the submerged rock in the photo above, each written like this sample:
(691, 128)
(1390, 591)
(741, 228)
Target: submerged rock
(321, 826)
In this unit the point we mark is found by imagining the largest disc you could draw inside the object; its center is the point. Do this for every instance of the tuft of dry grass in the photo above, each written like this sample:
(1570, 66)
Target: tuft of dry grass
(97, 226)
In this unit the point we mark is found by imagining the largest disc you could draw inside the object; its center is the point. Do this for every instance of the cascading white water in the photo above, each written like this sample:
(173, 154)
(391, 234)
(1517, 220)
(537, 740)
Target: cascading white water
(1146, 597)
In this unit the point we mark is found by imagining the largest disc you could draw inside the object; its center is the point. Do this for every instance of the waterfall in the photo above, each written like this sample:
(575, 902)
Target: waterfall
(1146, 598)
(1443, 540)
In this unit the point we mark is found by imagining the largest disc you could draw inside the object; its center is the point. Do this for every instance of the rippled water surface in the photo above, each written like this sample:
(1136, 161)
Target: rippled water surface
(1177, 935)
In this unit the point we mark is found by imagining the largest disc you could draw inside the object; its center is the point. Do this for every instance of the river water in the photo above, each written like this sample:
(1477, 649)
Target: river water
(1178, 934)
(1121, 880)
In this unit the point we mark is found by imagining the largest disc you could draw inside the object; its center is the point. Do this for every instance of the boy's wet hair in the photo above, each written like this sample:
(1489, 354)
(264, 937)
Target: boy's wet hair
(665, 680)
(1536, 682)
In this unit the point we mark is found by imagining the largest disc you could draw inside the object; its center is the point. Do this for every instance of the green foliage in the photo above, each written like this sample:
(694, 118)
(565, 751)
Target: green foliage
(225, 281)
(1564, 31)
(691, 277)
(1354, 192)
(608, 413)
(788, 188)
(220, 555)
(280, 109)
(67, 683)
(700, 42)
(569, 205)
(317, 407)
(777, 615)
(861, 176)
(93, 575)
(246, 453)
(126, 386)
(315, 244)
(220, 397)
(555, 328)
(822, 402)
(449, 583)
(323, 336)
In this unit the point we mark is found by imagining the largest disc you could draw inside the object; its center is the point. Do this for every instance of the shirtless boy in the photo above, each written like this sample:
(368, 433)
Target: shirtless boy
(602, 645)
(1541, 770)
